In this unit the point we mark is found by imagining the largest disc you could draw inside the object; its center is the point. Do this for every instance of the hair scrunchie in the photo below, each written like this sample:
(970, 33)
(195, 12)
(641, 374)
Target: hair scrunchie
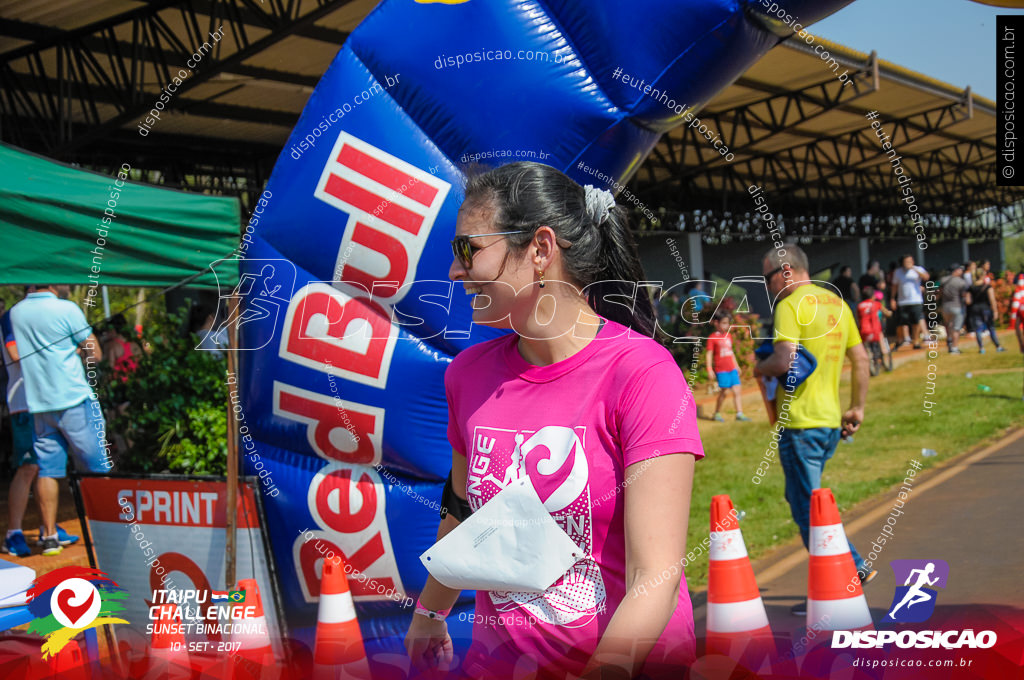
(599, 203)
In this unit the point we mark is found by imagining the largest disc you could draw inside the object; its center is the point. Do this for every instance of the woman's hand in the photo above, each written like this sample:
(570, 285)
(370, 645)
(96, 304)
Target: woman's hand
(428, 644)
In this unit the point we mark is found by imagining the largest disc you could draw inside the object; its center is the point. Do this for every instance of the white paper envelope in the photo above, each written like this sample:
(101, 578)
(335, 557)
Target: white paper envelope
(509, 544)
(15, 581)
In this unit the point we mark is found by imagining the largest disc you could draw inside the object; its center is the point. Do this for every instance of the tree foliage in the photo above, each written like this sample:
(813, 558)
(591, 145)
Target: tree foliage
(172, 410)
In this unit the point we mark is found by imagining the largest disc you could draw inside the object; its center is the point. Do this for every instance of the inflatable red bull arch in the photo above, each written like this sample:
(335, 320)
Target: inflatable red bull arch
(350, 319)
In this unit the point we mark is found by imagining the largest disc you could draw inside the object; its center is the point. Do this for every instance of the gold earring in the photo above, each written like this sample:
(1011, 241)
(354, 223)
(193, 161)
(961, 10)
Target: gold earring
(541, 278)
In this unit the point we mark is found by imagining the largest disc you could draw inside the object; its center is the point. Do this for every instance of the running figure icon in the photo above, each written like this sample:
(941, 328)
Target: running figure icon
(915, 595)
(263, 291)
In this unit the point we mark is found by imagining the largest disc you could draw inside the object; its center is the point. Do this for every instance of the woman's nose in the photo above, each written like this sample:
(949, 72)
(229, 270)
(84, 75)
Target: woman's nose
(456, 271)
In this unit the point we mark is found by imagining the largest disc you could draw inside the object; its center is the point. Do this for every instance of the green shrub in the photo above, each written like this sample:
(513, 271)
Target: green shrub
(743, 343)
(175, 419)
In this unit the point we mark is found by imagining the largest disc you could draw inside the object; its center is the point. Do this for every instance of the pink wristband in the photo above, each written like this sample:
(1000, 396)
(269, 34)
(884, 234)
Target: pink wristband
(439, 615)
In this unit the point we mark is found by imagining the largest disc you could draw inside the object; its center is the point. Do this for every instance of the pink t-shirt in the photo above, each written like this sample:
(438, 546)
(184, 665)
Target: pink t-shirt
(572, 427)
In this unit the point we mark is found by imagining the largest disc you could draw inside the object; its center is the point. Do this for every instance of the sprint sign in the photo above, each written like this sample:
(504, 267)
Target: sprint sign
(168, 533)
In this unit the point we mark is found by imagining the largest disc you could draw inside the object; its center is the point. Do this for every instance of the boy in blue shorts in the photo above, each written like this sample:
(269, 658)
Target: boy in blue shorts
(721, 360)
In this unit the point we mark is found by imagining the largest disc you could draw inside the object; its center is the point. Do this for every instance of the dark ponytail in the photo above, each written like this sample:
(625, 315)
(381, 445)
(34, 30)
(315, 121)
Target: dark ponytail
(621, 269)
(601, 258)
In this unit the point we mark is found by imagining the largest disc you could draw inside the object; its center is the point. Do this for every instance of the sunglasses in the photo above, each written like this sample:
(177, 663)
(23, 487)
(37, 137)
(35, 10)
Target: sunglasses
(464, 250)
(769, 275)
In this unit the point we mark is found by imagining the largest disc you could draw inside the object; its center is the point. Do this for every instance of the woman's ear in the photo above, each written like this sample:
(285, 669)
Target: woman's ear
(543, 246)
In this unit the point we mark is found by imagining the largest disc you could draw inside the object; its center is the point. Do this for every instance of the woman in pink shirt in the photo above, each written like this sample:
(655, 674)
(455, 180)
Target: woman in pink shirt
(595, 413)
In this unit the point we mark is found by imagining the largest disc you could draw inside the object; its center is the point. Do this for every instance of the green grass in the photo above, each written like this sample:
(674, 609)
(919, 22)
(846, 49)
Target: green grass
(894, 432)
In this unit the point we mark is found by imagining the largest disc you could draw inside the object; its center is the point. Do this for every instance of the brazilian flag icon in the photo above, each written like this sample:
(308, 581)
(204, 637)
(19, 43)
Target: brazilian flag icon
(236, 596)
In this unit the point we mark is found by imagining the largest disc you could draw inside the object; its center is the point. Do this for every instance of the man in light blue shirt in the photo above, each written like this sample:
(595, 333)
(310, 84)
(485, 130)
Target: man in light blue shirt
(23, 437)
(49, 331)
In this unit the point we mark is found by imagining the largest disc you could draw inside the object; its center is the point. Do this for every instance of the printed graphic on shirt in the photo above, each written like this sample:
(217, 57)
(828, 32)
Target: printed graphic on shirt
(555, 461)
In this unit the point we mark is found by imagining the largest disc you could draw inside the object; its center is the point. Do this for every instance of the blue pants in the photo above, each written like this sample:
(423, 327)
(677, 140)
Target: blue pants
(803, 454)
(981, 321)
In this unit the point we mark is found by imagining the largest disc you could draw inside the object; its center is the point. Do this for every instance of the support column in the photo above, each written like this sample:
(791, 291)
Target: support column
(695, 251)
(862, 246)
(965, 255)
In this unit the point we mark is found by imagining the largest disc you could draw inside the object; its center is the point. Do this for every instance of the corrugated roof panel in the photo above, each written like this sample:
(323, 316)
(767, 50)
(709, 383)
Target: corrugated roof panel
(348, 16)
(9, 44)
(252, 93)
(65, 14)
(296, 54)
(219, 128)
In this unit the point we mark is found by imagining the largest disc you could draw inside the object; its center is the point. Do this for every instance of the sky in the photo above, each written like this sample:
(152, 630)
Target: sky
(950, 40)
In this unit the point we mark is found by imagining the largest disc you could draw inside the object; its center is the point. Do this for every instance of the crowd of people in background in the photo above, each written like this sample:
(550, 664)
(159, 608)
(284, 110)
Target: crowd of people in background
(962, 300)
(964, 295)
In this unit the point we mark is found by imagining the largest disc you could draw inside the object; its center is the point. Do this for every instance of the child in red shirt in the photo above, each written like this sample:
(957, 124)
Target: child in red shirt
(870, 312)
(721, 360)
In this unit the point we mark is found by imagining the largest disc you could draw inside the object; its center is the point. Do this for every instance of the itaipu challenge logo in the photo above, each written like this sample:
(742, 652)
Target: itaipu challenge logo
(69, 600)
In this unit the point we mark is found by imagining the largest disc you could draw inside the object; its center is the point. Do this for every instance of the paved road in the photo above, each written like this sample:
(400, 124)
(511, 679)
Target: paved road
(968, 513)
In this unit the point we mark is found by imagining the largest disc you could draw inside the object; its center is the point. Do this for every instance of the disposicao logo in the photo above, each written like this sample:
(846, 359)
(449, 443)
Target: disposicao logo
(69, 600)
(913, 602)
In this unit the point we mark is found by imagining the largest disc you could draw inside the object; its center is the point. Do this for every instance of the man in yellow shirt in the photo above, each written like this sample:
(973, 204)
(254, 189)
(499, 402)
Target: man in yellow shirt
(810, 417)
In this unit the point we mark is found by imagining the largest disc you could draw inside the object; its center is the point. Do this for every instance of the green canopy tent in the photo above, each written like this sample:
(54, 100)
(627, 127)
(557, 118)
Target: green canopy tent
(67, 225)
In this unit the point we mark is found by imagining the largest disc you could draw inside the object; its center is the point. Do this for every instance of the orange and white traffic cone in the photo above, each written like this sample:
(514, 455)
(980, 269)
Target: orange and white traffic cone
(835, 600)
(168, 653)
(339, 651)
(255, 657)
(736, 618)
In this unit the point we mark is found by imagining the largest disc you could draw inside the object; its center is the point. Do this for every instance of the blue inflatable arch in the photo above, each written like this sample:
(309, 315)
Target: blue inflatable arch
(352, 235)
